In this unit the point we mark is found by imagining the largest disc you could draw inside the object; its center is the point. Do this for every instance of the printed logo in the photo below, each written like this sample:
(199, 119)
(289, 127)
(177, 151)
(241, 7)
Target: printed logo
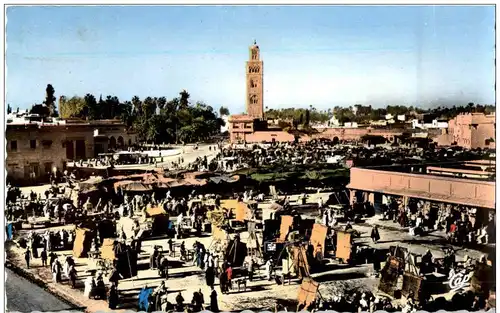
(459, 280)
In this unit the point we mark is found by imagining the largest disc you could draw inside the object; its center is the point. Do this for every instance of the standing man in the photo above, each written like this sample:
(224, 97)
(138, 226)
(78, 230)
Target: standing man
(43, 256)
(27, 257)
(250, 269)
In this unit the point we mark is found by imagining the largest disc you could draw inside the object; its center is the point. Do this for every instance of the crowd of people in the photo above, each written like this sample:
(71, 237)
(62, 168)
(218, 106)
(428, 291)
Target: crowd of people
(188, 215)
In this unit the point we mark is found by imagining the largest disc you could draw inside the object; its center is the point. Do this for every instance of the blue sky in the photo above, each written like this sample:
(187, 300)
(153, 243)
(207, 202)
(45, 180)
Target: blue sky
(317, 55)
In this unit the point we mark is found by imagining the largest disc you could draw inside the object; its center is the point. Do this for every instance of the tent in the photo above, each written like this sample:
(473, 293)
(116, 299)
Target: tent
(241, 211)
(131, 185)
(344, 245)
(83, 241)
(125, 257)
(318, 237)
(107, 249)
(90, 183)
(286, 223)
(144, 299)
(160, 220)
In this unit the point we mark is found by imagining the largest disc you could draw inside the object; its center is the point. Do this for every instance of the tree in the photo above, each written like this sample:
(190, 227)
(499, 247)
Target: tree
(50, 100)
(73, 107)
(184, 101)
(137, 105)
(91, 107)
(223, 111)
(307, 118)
(9, 109)
(41, 110)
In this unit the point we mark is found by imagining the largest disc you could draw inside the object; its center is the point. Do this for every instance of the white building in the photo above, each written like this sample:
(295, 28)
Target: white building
(351, 125)
(378, 123)
(435, 124)
(401, 117)
(333, 122)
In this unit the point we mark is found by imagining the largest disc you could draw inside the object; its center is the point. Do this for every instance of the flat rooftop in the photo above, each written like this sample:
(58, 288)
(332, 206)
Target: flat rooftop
(481, 170)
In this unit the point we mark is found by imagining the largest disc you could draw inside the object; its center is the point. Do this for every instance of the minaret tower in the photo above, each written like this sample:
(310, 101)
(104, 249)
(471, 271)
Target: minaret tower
(255, 83)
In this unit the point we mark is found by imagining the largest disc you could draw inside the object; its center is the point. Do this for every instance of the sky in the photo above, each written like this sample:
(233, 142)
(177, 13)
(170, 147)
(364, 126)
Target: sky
(323, 56)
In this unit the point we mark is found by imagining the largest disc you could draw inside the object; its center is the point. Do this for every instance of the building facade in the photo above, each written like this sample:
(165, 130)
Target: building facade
(34, 150)
(372, 184)
(471, 130)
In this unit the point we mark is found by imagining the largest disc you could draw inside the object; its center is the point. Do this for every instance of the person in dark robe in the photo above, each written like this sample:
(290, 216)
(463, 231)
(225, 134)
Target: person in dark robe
(376, 262)
(100, 288)
(163, 267)
(153, 257)
(158, 293)
(34, 249)
(115, 276)
(198, 257)
(202, 256)
(197, 302)
(72, 276)
(250, 269)
(214, 306)
(43, 256)
(426, 264)
(223, 282)
(171, 246)
(375, 234)
(183, 251)
(113, 297)
(179, 300)
(210, 276)
(27, 257)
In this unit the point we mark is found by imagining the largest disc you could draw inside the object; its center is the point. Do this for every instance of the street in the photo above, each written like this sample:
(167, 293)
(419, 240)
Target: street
(23, 296)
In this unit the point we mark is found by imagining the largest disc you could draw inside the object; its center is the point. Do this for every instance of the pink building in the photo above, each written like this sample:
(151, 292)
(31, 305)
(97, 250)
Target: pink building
(472, 130)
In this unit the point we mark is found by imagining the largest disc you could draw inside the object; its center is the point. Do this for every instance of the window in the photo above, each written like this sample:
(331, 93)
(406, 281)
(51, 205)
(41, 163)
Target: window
(13, 145)
(47, 167)
(236, 126)
(47, 144)
(33, 144)
(248, 125)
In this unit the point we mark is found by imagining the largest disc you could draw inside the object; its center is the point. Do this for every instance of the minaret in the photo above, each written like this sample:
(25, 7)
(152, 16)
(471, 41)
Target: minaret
(255, 83)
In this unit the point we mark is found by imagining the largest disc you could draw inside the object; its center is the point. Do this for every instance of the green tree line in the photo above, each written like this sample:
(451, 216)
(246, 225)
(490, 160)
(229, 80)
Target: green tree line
(364, 114)
(155, 119)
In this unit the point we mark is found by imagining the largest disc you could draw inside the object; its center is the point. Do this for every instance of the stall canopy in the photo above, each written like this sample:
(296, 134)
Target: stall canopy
(152, 212)
(241, 211)
(286, 223)
(344, 245)
(224, 179)
(107, 249)
(318, 237)
(131, 185)
(90, 183)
